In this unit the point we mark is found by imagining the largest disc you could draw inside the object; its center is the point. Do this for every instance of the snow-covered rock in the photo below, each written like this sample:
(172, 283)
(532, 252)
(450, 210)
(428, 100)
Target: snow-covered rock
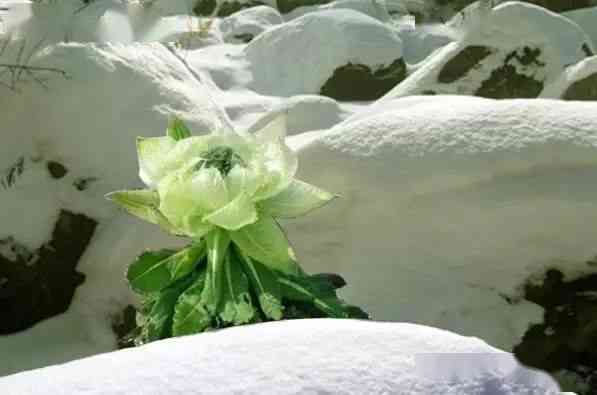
(245, 25)
(449, 205)
(296, 357)
(578, 82)
(88, 123)
(300, 56)
(511, 51)
(585, 18)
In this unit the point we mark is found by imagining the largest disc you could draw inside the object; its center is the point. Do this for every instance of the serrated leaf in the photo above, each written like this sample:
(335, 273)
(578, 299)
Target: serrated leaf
(190, 314)
(178, 130)
(153, 271)
(236, 307)
(304, 289)
(158, 324)
(298, 199)
(265, 241)
(265, 284)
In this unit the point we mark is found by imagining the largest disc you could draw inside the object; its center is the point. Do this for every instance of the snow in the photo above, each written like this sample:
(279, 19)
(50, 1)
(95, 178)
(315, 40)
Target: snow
(251, 21)
(444, 217)
(585, 18)
(308, 50)
(508, 27)
(295, 357)
(571, 75)
(115, 93)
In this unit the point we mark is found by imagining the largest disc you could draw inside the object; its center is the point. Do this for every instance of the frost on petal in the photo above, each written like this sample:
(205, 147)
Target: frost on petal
(236, 214)
(151, 153)
(296, 200)
(274, 130)
(208, 189)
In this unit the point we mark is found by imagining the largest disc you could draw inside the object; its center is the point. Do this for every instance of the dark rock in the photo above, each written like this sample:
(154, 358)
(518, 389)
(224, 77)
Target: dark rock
(584, 89)
(83, 183)
(244, 37)
(10, 175)
(57, 170)
(207, 7)
(285, 6)
(587, 50)
(567, 338)
(359, 82)
(505, 83)
(41, 284)
(124, 325)
(461, 64)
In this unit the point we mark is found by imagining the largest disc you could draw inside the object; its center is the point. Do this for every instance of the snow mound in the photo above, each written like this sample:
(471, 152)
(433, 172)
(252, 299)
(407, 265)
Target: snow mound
(296, 357)
(579, 82)
(305, 113)
(585, 18)
(511, 51)
(443, 218)
(243, 26)
(298, 57)
(88, 123)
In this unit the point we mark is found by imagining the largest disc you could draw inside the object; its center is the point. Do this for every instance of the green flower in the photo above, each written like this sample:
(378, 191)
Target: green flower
(197, 184)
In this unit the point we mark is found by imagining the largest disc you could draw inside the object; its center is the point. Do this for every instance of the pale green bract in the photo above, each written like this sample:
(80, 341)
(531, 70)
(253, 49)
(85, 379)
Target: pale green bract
(197, 184)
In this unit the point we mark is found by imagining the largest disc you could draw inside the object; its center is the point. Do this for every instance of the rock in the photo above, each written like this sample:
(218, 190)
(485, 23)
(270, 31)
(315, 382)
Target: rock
(579, 82)
(328, 356)
(512, 51)
(245, 25)
(443, 218)
(299, 67)
(113, 94)
(40, 285)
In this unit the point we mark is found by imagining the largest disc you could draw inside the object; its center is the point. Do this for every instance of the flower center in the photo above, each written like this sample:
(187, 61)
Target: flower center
(222, 158)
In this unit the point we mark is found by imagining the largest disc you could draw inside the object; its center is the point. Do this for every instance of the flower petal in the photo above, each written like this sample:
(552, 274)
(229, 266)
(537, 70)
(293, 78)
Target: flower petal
(265, 242)
(208, 189)
(176, 200)
(143, 204)
(296, 200)
(151, 153)
(241, 179)
(280, 164)
(236, 214)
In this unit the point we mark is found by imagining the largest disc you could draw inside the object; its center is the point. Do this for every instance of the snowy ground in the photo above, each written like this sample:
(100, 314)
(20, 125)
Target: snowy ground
(450, 204)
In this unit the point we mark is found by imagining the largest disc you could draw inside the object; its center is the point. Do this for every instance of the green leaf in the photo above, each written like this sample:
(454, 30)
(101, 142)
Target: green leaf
(236, 307)
(265, 284)
(305, 289)
(190, 314)
(217, 246)
(158, 324)
(142, 203)
(153, 271)
(265, 242)
(178, 130)
(298, 199)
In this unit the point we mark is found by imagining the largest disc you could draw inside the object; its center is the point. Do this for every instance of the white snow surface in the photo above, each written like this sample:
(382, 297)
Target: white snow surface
(253, 21)
(571, 75)
(89, 124)
(508, 27)
(449, 204)
(585, 18)
(322, 356)
(307, 50)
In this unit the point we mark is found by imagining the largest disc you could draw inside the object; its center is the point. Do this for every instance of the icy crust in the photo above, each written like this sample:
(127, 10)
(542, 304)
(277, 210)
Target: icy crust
(509, 34)
(296, 357)
(89, 123)
(574, 74)
(444, 217)
(308, 50)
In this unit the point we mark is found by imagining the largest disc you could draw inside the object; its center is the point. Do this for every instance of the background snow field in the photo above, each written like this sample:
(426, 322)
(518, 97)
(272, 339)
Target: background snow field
(466, 181)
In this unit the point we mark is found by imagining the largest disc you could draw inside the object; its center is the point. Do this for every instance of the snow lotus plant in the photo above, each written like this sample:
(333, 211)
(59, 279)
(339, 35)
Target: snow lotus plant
(224, 192)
